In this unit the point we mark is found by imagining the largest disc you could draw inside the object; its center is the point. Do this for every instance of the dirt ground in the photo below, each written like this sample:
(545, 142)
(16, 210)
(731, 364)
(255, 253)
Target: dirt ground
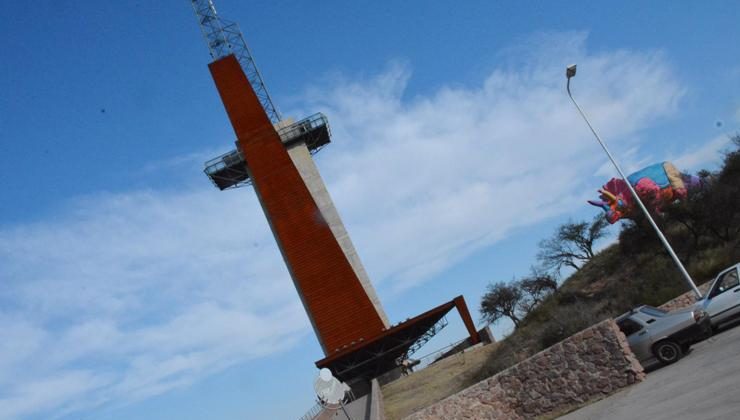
(434, 383)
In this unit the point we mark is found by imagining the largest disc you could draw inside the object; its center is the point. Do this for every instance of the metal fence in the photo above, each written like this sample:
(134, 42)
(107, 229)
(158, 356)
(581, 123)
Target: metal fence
(312, 412)
(432, 357)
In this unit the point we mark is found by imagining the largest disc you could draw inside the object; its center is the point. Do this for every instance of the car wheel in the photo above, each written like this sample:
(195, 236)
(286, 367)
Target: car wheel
(667, 352)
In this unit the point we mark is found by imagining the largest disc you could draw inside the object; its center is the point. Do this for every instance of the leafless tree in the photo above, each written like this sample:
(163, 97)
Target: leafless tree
(572, 244)
(517, 298)
(502, 300)
(535, 288)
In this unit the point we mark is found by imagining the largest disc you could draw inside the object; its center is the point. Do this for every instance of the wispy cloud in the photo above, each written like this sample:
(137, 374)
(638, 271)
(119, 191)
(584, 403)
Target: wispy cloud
(155, 290)
(141, 292)
(704, 156)
(441, 175)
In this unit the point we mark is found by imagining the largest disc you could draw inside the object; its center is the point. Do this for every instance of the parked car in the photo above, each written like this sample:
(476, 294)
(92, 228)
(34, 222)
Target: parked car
(665, 335)
(722, 300)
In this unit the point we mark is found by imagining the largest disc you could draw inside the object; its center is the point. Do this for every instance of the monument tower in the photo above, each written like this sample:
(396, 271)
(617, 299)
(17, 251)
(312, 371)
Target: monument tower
(274, 156)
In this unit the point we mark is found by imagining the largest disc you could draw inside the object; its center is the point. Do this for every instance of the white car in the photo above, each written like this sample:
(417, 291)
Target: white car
(722, 301)
(665, 335)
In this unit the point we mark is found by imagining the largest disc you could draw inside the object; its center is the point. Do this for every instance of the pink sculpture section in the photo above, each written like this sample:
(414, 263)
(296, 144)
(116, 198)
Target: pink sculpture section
(656, 185)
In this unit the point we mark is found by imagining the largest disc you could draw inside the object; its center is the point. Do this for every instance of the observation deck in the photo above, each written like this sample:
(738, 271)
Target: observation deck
(230, 169)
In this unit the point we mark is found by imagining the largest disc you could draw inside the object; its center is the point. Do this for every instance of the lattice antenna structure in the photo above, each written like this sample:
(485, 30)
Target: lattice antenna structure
(224, 37)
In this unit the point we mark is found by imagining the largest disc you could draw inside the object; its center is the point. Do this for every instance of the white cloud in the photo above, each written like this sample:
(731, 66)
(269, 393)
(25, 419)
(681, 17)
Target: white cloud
(439, 176)
(48, 393)
(704, 156)
(153, 290)
(630, 161)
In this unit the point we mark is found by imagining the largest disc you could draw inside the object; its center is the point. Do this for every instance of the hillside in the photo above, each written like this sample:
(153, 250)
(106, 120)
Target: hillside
(704, 231)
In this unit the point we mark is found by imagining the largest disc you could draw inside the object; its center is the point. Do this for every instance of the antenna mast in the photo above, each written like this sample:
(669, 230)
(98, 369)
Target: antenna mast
(224, 37)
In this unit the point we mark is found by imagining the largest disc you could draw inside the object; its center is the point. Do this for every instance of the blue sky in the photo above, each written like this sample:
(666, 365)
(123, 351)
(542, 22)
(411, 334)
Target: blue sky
(130, 288)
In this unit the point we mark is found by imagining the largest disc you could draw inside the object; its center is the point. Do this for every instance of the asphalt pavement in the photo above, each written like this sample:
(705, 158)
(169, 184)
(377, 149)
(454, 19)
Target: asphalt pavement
(704, 385)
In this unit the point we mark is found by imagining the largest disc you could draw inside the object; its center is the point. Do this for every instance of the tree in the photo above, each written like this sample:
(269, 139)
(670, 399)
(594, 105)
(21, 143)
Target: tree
(572, 244)
(723, 198)
(516, 299)
(535, 288)
(693, 214)
(502, 300)
(713, 211)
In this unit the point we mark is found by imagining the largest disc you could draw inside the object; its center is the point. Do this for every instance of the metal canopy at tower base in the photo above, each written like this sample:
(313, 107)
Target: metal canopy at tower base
(230, 171)
(368, 359)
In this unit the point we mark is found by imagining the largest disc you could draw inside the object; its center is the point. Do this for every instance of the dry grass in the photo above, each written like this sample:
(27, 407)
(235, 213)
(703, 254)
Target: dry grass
(434, 383)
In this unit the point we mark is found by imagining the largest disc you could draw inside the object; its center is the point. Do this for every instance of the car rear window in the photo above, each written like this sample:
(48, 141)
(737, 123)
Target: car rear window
(629, 326)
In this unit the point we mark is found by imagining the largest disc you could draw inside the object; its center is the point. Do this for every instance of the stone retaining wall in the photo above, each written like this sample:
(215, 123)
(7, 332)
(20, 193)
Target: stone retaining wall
(685, 300)
(592, 363)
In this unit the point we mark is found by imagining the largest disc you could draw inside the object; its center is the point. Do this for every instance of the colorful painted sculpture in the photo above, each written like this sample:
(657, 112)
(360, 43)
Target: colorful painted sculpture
(656, 185)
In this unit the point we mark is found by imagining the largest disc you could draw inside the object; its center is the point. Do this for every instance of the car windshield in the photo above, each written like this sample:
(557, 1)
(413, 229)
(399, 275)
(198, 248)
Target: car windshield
(652, 311)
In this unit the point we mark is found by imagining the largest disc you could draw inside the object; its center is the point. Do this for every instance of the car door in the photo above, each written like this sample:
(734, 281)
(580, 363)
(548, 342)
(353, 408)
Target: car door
(637, 337)
(723, 300)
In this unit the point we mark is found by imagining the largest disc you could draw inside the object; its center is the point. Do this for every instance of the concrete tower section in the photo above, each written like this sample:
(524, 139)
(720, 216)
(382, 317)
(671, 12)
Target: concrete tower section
(338, 297)
(303, 161)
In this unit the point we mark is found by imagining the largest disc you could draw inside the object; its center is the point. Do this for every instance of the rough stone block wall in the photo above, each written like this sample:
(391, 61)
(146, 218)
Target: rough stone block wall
(685, 300)
(592, 363)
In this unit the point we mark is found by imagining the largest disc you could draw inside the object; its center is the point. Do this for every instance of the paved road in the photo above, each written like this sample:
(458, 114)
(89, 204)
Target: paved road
(704, 385)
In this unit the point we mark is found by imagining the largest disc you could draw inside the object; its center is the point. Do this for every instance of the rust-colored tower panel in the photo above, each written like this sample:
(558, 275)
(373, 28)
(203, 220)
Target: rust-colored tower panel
(338, 306)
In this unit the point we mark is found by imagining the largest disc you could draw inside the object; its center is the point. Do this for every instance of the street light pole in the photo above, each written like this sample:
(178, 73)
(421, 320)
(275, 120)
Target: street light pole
(570, 73)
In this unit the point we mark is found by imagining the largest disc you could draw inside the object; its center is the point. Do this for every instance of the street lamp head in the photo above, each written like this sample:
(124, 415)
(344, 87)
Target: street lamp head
(570, 71)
